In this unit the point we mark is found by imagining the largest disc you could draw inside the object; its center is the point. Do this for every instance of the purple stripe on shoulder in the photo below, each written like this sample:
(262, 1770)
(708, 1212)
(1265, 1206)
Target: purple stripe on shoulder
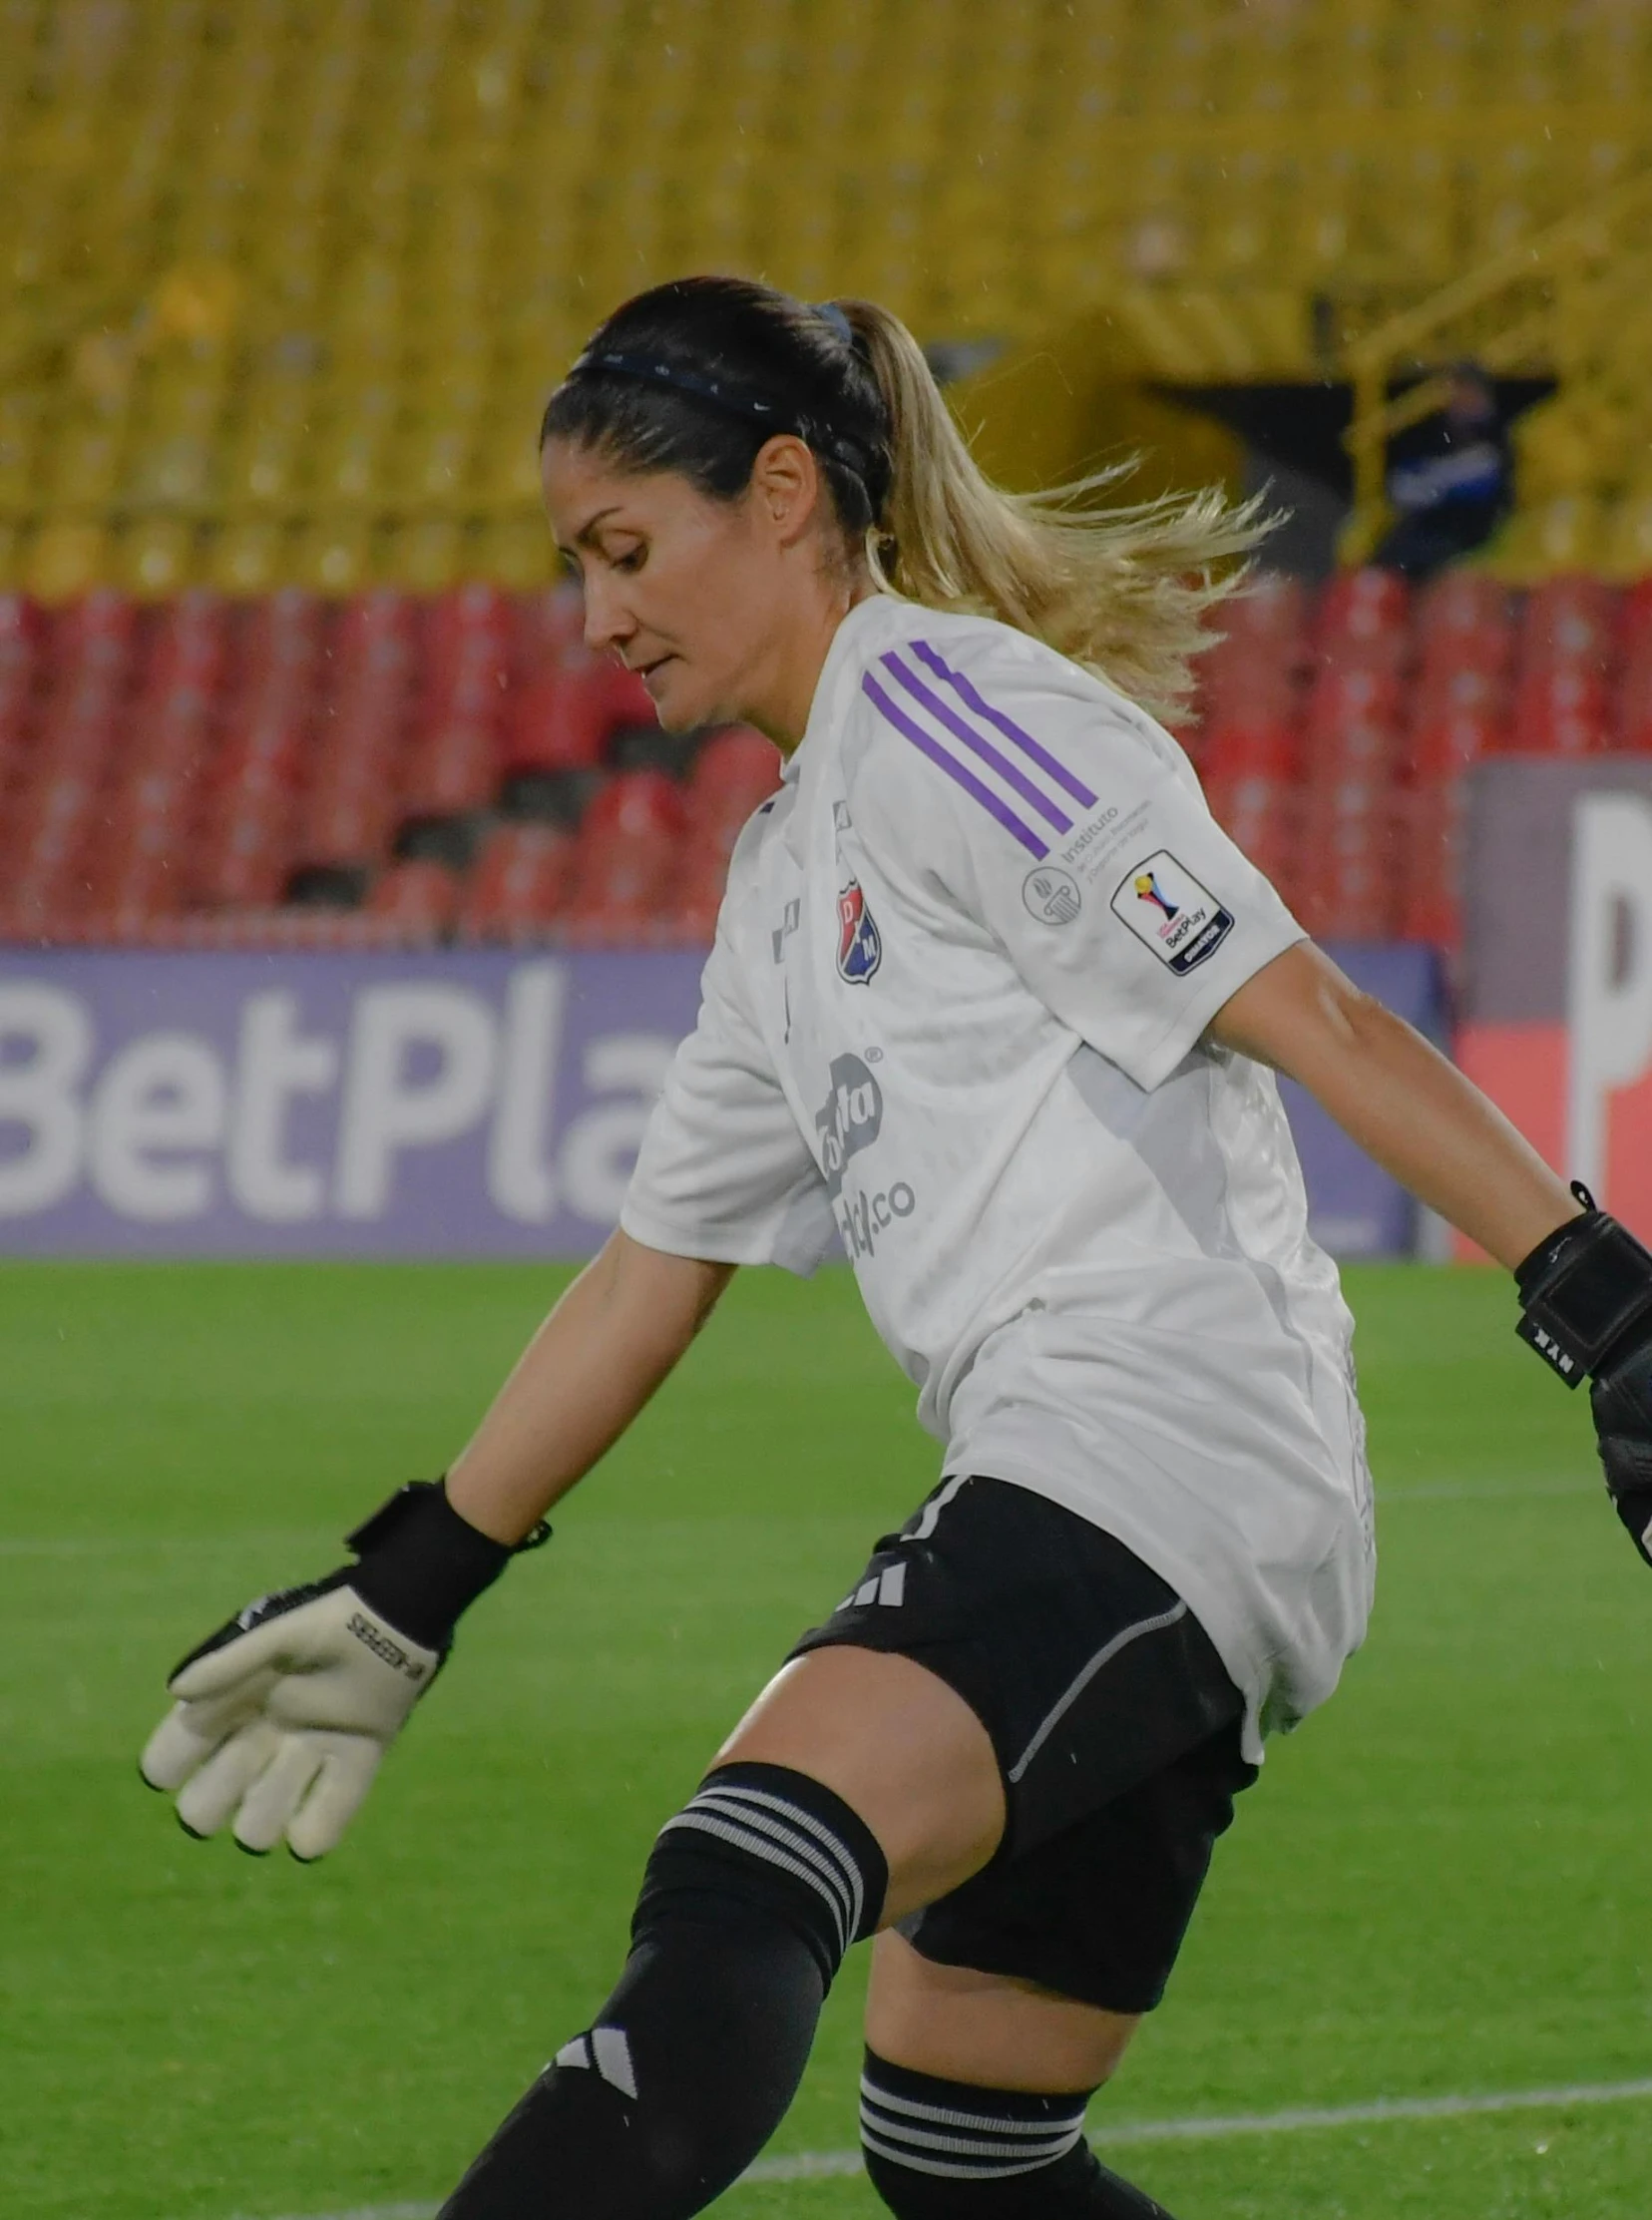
(1039, 754)
(928, 745)
(975, 742)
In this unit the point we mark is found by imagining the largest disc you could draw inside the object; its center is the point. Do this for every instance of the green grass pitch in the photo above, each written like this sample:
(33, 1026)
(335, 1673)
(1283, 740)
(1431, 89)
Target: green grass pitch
(1443, 1883)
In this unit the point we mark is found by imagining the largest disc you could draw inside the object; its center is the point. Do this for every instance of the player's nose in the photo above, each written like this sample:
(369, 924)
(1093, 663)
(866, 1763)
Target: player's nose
(608, 624)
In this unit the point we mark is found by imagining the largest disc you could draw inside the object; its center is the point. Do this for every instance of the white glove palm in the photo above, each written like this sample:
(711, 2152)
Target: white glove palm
(284, 1717)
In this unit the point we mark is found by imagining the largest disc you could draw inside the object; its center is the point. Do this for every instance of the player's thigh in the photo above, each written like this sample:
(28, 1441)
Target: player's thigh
(900, 1747)
(987, 2029)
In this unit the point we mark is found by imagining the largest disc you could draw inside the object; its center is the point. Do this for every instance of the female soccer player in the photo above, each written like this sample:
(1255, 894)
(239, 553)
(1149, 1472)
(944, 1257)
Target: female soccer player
(995, 1007)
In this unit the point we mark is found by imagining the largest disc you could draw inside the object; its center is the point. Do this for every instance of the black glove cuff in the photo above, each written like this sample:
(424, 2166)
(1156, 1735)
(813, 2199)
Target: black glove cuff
(1582, 1290)
(422, 1566)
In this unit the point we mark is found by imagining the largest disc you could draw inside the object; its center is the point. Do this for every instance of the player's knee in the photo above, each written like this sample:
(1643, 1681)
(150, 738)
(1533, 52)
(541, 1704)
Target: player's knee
(761, 1843)
(751, 1896)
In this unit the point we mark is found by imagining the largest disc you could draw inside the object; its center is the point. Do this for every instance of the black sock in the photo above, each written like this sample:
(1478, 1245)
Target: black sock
(750, 1899)
(945, 2151)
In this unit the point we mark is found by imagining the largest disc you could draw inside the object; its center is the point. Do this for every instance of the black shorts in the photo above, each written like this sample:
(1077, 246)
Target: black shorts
(1116, 1728)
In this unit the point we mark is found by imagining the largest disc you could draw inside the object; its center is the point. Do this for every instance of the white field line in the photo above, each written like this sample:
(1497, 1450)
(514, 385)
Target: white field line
(835, 2164)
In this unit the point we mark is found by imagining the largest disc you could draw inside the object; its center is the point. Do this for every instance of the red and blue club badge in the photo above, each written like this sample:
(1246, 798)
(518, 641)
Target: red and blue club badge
(860, 945)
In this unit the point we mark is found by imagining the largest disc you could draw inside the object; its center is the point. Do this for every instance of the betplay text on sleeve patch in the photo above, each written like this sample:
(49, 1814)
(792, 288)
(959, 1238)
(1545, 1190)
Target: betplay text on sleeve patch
(1164, 905)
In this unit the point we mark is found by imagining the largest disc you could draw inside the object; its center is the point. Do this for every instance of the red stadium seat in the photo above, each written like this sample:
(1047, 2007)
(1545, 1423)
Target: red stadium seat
(547, 629)
(1349, 880)
(626, 858)
(1443, 745)
(421, 896)
(518, 884)
(690, 915)
(1250, 747)
(1262, 815)
(1463, 616)
(468, 632)
(138, 868)
(244, 856)
(1561, 709)
(1569, 622)
(733, 772)
(283, 631)
(1362, 615)
(1431, 868)
(454, 767)
(190, 644)
(1272, 611)
(345, 825)
(559, 722)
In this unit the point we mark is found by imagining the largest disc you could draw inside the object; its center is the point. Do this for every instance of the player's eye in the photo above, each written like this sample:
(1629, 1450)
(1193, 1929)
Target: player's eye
(632, 560)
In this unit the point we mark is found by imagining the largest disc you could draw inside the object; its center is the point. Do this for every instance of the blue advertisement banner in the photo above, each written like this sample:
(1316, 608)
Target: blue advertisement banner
(436, 1106)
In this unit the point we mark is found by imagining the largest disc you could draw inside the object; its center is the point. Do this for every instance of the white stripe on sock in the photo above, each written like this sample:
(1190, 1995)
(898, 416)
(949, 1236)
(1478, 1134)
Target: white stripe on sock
(872, 2093)
(818, 1827)
(949, 2172)
(1047, 2150)
(734, 1804)
(743, 1838)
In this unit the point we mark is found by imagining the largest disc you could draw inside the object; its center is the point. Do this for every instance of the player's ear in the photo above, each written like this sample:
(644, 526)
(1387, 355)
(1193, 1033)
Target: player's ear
(785, 483)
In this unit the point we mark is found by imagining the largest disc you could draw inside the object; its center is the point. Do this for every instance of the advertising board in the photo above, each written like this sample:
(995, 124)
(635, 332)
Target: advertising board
(1556, 997)
(442, 1106)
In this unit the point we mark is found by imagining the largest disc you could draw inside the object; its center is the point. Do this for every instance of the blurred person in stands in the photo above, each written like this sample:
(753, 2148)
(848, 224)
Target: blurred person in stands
(1450, 479)
(995, 1007)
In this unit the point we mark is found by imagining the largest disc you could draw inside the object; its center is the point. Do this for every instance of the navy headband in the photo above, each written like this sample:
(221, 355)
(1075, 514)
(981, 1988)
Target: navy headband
(754, 408)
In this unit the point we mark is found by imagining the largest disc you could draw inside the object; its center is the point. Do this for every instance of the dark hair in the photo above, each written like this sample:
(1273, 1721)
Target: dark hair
(695, 375)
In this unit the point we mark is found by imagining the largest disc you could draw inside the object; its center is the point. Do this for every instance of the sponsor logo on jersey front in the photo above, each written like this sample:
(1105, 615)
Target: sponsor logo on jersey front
(1168, 909)
(860, 946)
(862, 1218)
(1052, 896)
(849, 1120)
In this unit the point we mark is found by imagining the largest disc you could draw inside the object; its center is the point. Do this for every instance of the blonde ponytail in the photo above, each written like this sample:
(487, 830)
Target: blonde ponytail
(1123, 591)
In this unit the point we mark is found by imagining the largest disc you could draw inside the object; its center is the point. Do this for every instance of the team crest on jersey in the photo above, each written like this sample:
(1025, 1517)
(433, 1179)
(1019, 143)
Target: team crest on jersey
(860, 945)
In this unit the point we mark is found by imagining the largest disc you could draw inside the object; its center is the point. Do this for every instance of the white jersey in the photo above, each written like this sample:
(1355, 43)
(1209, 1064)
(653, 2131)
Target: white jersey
(951, 1024)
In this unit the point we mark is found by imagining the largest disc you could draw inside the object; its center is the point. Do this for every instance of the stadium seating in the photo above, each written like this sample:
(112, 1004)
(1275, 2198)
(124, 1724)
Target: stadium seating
(394, 769)
(288, 279)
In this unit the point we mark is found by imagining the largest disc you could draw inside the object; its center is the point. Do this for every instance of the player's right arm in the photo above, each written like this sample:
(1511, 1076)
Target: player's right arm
(282, 1717)
(584, 1377)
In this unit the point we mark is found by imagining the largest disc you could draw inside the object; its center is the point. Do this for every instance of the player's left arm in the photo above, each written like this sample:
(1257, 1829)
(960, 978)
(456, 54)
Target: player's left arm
(1406, 1104)
(1586, 1282)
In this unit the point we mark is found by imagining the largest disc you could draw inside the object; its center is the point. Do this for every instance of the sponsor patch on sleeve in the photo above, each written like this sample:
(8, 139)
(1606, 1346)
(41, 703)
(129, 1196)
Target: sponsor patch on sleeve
(1166, 907)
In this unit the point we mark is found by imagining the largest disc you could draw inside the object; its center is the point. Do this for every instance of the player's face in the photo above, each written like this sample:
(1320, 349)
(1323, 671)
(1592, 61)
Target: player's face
(683, 589)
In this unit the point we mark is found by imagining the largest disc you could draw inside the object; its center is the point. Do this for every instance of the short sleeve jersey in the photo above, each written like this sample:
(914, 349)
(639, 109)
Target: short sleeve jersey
(953, 1027)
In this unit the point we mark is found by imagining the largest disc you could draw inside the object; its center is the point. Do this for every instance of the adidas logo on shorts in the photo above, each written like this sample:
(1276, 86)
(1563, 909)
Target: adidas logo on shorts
(886, 1586)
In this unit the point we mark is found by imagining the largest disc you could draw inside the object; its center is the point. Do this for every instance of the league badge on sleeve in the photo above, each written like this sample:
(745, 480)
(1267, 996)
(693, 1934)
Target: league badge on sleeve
(860, 947)
(1164, 905)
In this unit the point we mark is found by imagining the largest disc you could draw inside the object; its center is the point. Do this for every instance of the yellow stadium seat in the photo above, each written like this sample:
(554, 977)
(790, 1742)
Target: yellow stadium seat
(1567, 531)
(424, 557)
(1626, 541)
(247, 557)
(155, 558)
(64, 559)
(314, 259)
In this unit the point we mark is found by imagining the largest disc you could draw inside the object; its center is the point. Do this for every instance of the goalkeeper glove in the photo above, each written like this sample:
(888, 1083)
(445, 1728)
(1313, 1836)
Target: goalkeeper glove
(1586, 1308)
(283, 1715)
